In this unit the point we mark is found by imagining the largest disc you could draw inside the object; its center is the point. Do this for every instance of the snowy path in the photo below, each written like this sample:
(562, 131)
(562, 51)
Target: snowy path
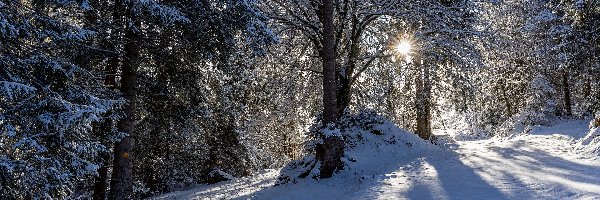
(525, 167)
(539, 165)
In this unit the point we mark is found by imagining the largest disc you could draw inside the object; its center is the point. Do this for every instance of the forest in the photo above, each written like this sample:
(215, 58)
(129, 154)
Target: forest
(299, 99)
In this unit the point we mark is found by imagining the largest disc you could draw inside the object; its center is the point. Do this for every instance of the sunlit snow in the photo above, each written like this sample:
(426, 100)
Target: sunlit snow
(536, 165)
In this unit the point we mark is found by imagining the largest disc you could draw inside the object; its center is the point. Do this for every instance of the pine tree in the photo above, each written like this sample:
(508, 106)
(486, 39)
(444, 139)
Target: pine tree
(49, 104)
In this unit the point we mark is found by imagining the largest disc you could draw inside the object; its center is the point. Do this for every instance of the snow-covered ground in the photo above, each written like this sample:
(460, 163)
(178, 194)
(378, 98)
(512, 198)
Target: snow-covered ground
(537, 165)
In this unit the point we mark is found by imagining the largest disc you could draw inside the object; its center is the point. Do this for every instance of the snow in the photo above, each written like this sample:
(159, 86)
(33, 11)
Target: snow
(221, 173)
(545, 16)
(9, 88)
(575, 129)
(539, 164)
(331, 131)
(580, 4)
(590, 143)
(168, 15)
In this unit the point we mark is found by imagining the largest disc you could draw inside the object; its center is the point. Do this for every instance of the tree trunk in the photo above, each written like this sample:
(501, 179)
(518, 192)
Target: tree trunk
(110, 71)
(333, 146)
(344, 95)
(158, 150)
(423, 90)
(566, 92)
(506, 99)
(122, 176)
(427, 94)
(328, 58)
(158, 141)
(101, 182)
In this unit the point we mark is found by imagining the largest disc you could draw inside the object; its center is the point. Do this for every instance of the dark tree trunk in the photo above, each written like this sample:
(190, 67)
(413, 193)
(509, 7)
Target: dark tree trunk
(344, 96)
(423, 90)
(344, 93)
(110, 71)
(566, 92)
(101, 182)
(122, 176)
(333, 146)
(158, 150)
(587, 89)
(506, 99)
(328, 58)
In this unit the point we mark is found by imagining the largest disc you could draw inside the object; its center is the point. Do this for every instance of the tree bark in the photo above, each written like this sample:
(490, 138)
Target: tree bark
(566, 92)
(423, 90)
(122, 176)
(427, 86)
(101, 182)
(328, 58)
(333, 146)
(344, 96)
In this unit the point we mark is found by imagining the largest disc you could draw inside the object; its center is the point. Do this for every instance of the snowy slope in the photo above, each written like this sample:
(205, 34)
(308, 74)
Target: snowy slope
(589, 145)
(537, 165)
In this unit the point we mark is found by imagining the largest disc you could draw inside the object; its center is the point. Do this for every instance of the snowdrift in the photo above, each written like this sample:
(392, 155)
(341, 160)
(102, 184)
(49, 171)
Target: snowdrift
(590, 144)
(372, 147)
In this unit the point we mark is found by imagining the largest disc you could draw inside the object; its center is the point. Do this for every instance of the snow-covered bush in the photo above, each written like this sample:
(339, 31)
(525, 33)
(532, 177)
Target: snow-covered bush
(538, 109)
(218, 175)
(365, 120)
(539, 105)
(470, 127)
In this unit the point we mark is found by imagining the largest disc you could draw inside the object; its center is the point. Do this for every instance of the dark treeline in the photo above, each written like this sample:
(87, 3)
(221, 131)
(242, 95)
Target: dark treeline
(127, 99)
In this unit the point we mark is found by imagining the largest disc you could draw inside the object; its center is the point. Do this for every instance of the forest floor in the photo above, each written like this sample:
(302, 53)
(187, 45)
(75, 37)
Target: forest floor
(536, 165)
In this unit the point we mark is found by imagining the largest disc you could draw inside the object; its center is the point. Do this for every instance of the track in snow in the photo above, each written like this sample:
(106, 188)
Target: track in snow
(525, 167)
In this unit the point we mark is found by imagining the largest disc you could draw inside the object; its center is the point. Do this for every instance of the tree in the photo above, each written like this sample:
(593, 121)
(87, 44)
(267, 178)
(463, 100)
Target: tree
(352, 20)
(121, 185)
(442, 49)
(197, 93)
(333, 145)
(126, 21)
(49, 102)
(535, 42)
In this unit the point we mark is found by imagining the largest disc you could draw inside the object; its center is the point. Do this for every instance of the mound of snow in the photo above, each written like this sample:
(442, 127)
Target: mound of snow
(375, 149)
(590, 144)
(573, 128)
(369, 151)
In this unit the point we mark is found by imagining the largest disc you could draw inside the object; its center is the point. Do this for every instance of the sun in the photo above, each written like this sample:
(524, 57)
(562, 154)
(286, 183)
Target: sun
(404, 47)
